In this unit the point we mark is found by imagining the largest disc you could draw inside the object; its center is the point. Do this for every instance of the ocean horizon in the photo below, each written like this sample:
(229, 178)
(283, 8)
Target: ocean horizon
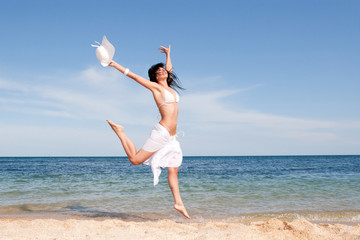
(318, 188)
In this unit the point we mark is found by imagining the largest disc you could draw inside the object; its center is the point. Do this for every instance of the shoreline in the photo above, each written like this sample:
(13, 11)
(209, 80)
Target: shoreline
(346, 217)
(15, 228)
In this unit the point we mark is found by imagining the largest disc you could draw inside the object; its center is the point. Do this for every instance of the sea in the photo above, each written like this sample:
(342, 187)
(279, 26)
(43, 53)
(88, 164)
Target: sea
(321, 189)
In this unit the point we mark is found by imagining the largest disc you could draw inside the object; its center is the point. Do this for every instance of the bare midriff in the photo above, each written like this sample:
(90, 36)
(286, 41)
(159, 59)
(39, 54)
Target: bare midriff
(169, 113)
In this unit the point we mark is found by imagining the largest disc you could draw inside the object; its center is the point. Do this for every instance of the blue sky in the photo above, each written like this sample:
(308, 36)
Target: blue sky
(261, 77)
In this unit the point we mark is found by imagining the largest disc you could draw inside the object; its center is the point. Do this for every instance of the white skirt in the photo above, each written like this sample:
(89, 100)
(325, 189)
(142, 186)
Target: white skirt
(167, 151)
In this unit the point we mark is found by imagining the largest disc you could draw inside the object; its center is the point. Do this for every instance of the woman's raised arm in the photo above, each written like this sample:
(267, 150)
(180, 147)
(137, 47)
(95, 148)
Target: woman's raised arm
(168, 64)
(144, 82)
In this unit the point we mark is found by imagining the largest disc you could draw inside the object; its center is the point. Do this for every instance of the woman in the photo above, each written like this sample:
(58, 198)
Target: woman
(161, 149)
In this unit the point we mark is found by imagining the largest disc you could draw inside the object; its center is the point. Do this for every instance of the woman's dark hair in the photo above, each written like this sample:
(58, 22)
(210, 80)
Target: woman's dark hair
(172, 79)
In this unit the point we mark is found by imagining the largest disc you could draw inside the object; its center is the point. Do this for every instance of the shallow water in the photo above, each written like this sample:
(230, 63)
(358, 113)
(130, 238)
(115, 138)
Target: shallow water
(318, 188)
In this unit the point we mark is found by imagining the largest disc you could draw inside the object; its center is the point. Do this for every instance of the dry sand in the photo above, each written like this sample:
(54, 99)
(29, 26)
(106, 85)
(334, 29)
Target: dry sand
(167, 229)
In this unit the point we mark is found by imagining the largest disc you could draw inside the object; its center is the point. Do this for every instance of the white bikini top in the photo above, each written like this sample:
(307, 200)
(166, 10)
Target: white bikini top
(169, 97)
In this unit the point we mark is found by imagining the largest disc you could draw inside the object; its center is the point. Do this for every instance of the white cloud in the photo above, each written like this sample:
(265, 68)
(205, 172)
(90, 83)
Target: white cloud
(208, 107)
(211, 126)
(91, 95)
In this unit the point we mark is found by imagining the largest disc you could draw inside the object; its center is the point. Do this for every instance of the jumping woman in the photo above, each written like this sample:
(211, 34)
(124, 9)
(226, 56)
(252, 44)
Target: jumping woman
(161, 149)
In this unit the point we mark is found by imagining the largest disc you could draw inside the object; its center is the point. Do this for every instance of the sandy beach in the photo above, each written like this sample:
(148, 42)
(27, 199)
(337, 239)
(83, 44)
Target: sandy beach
(13, 228)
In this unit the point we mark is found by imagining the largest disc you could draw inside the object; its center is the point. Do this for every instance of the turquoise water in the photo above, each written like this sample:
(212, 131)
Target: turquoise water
(318, 188)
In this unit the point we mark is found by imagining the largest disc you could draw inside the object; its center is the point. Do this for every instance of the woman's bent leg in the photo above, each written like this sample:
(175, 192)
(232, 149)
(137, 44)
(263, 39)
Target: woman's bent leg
(174, 186)
(135, 157)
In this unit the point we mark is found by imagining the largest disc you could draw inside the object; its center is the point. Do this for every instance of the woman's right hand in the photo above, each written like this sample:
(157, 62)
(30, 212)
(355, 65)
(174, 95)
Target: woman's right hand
(112, 63)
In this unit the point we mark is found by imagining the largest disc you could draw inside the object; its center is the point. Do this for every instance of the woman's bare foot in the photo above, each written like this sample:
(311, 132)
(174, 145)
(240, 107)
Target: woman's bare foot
(115, 127)
(182, 210)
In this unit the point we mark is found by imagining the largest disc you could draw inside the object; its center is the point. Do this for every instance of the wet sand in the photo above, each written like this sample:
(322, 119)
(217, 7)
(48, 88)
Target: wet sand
(18, 228)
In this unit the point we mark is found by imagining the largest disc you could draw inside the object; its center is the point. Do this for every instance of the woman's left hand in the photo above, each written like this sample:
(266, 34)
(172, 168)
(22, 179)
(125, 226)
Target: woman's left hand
(165, 50)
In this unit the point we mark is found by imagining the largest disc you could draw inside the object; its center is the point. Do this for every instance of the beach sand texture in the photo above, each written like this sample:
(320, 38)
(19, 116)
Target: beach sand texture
(166, 229)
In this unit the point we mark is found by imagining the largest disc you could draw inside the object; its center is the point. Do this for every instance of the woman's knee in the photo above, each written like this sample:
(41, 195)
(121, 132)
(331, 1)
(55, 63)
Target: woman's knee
(135, 161)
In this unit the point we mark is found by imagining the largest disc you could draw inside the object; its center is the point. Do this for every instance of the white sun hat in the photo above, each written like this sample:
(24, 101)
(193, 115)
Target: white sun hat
(104, 52)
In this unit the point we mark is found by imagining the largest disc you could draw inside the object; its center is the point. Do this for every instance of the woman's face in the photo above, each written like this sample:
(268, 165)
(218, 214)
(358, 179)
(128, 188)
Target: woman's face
(161, 74)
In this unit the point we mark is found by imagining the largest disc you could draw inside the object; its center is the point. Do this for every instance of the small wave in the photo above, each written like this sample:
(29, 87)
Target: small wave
(28, 208)
(345, 217)
(11, 193)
